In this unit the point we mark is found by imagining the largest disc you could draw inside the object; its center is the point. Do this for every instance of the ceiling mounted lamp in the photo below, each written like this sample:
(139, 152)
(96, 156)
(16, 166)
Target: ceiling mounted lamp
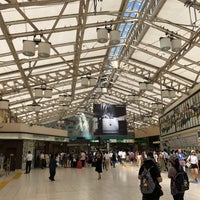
(29, 47)
(102, 35)
(146, 86)
(133, 97)
(65, 98)
(167, 43)
(44, 49)
(157, 106)
(63, 107)
(4, 104)
(43, 91)
(88, 81)
(98, 90)
(168, 93)
(34, 107)
(48, 93)
(93, 81)
(176, 44)
(114, 37)
(103, 90)
(84, 81)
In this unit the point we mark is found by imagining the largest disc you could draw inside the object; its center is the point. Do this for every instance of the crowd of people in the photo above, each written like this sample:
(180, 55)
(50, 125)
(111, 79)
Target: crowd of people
(155, 162)
(175, 164)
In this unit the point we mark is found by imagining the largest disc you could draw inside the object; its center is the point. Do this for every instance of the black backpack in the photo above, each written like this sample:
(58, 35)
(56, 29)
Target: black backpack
(182, 181)
(147, 184)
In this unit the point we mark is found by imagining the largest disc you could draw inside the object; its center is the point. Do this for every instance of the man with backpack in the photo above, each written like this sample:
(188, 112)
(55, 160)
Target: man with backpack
(150, 177)
(179, 180)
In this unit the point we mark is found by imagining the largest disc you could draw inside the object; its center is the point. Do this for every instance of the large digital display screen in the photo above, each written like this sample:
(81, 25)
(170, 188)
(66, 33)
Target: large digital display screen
(109, 119)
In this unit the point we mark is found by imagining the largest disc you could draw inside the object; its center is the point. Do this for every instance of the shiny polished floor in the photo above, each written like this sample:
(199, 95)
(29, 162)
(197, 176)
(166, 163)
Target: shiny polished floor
(81, 184)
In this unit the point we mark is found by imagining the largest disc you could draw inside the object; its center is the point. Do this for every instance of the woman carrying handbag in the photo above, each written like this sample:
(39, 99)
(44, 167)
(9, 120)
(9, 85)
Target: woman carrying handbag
(194, 166)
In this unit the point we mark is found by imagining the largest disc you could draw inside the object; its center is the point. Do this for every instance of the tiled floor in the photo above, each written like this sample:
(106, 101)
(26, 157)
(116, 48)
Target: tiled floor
(118, 183)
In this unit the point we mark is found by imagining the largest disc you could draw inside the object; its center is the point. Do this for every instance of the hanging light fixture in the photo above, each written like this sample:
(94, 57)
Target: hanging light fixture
(38, 92)
(133, 97)
(176, 44)
(84, 81)
(104, 90)
(29, 47)
(43, 91)
(34, 107)
(88, 81)
(157, 106)
(44, 49)
(47, 93)
(102, 35)
(65, 98)
(168, 93)
(165, 43)
(63, 107)
(146, 86)
(114, 37)
(4, 104)
(98, 90)
(93, 81)
(169, 42)
(65, 101)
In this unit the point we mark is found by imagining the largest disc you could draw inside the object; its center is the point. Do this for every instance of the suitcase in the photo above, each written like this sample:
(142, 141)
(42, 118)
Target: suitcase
(79, 164)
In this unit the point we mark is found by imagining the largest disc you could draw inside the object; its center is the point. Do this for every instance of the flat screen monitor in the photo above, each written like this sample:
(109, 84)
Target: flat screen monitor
(109, 119)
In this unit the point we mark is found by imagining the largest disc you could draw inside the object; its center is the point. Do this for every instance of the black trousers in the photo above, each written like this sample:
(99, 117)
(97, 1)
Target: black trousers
(28, 166)
(179, 196)
(52, 175)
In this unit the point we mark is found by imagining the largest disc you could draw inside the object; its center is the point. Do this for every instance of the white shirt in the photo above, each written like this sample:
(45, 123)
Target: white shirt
(192, 159)
(29, 157)
(83, 156)
(123, 155)
(107, 157)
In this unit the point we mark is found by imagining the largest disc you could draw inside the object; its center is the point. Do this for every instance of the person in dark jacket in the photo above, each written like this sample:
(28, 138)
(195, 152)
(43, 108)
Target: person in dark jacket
(149, 163)
(52, 167)
(175, 167)
(98, 163)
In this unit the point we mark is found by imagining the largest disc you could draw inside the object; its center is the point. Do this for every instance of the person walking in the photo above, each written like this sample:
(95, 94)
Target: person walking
(29, 158)
(194, 167)
(42, 160)
(149, 165)
(83, 158)
(107, 160)
(181, 157)
(114, 159)
(173, 170)
(52, 167)
(98, 163)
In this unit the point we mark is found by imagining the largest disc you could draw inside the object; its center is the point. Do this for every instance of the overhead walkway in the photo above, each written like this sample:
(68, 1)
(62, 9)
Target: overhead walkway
(81, 184)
